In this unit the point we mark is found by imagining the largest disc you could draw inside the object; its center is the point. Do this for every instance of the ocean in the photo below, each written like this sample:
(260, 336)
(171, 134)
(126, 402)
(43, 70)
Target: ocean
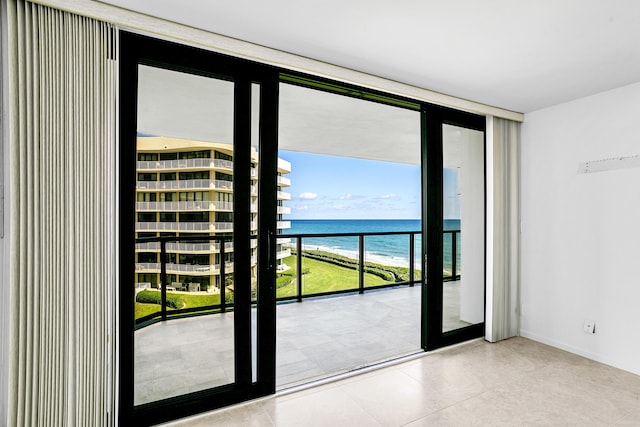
(388, 250)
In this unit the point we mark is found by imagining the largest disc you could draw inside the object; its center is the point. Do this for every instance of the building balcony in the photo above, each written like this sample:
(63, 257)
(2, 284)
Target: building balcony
(281, 225)
(184, 226)
(184, 206)
(284, 166)
(385, 319)
(284, 181)
(283, 253)
(191, 248)
(284, 210)
(281, 195)
(190, 269)
(187, 184)
(184, 164)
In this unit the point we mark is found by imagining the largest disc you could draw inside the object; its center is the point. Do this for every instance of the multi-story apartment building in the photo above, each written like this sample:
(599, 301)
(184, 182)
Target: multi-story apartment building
(185, 188)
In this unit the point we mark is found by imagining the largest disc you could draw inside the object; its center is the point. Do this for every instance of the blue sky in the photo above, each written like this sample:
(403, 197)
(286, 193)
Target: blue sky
(331, 187)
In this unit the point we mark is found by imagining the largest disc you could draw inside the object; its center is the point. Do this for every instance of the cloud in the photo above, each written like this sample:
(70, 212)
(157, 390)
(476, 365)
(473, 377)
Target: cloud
(388, 196)
(337, 206)
(308, 196)
(350, 196)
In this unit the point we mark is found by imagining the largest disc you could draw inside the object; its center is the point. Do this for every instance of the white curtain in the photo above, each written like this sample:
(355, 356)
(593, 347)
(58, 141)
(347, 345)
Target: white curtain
(505, 287)
(62, 136)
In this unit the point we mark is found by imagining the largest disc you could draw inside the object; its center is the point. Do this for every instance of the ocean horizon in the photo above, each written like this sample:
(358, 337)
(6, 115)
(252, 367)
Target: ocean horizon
(388, 250)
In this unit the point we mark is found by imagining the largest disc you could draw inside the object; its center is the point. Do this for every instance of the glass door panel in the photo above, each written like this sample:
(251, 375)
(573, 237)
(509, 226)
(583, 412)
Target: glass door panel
(350, 201)
(463, 202)
(184, 271)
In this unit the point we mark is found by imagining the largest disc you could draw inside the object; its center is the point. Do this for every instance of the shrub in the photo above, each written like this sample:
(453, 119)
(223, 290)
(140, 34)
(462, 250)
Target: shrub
(155, 297)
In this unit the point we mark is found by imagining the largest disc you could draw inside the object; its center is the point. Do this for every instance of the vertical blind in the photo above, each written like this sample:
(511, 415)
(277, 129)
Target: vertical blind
(506, 230)
(62, 121)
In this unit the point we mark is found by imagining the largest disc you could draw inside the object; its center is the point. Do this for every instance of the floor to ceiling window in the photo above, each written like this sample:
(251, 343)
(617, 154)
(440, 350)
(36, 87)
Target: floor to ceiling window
(278, 228)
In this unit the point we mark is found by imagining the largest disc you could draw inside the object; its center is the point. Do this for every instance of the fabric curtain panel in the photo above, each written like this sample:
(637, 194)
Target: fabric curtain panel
(62, 133)
(506, 230)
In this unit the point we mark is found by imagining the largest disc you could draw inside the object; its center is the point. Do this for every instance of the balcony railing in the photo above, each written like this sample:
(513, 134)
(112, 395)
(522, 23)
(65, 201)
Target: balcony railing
(184, 247)
(284, 210)
(283, 253)
(154, 267)
(408, 278)
(185, 184)
(283, 195)
(185, 164)
(284, 181)
(184, 206)
(184, 226)
(282, 225)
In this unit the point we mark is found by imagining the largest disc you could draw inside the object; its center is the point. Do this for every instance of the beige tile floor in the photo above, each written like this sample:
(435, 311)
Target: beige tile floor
(516, 382)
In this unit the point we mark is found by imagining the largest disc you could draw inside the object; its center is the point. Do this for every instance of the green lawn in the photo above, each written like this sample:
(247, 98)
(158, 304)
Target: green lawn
(189, 301)
(318, 277)
(322, 276)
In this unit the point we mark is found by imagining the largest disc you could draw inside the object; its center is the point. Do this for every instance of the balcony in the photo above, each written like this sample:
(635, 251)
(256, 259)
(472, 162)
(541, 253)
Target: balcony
(191, 248)
(184, 206)
(187, 184)
(283, 253)
(281, 195)
(184, 226)
(284, 210)
(184, 164)
(283, 181)
(283, 225)
(284, 166)
(190, 269)
(366, 324)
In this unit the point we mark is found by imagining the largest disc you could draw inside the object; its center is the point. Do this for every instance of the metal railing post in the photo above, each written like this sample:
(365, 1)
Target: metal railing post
(223, 281)
(299, 268)
(454, 252)
(361, 263)
(412, 241)
(163, 279)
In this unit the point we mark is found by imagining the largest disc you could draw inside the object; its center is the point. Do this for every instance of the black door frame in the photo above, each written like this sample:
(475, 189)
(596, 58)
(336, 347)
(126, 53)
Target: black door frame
(142, 50)
(138, 49)
(433, 118)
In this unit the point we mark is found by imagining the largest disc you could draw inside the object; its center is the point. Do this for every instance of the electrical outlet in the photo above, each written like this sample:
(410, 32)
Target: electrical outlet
(589, 327)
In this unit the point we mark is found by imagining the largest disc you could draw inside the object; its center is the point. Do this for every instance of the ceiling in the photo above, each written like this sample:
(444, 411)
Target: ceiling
(517, 55)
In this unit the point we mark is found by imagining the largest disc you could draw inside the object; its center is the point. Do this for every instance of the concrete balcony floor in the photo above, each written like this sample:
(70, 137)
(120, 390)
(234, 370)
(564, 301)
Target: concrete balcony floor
(315, 339)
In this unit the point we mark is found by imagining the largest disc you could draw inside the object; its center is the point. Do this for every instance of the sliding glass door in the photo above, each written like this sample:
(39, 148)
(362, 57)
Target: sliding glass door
(454, 173)
(196, 236)
(213, 239)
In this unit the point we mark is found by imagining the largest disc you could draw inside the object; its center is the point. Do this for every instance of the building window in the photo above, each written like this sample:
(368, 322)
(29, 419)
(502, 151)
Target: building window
(168, 156)
(204, 154)
(194, 216)
(223, 156)
(167, 217)
(224, 217)
(146, 217)
(147, 177)
(147, 257)
(146, 197)
(168, 197)
(147, 157)
(221, 176)
(168, 176)
(194, 175)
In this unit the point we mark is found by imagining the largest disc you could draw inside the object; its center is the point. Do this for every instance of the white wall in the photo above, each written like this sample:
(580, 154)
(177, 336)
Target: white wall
(581, 232)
